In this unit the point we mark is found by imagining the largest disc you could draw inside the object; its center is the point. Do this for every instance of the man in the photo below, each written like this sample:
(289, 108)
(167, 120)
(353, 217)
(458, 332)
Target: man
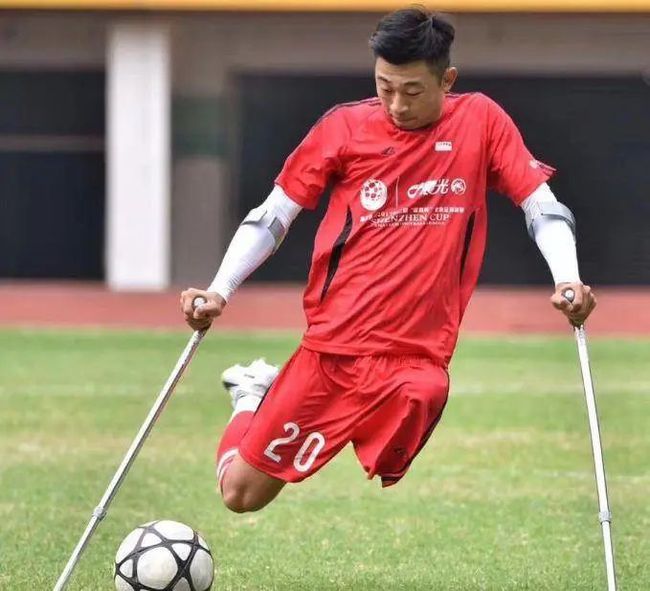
(395, 261)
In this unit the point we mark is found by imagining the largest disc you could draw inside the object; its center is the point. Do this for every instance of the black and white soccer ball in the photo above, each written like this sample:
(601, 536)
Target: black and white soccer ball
(163, 556)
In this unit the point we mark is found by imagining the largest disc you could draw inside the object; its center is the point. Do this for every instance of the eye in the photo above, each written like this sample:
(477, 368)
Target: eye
(386, 90)
(418, 93)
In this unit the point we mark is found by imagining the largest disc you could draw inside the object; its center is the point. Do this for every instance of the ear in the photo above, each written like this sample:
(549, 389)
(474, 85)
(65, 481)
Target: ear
(449, 78)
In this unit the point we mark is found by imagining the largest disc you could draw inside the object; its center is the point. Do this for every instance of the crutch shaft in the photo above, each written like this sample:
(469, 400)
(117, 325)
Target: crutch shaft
(604, 513)
(156, 410)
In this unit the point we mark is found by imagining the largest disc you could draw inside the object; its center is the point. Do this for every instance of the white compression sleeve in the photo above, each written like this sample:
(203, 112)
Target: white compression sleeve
(252, 244)
(554, 239)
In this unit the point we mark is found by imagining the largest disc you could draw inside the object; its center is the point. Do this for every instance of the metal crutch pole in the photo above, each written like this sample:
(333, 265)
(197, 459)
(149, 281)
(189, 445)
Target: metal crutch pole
(604, 514)
(156, 410)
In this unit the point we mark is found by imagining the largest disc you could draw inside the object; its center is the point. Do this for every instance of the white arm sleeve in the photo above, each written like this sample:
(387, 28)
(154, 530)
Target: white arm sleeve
(554, 239)
(252, 244)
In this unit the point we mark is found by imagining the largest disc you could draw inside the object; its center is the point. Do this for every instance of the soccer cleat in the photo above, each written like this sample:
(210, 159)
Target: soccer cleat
(249, 381)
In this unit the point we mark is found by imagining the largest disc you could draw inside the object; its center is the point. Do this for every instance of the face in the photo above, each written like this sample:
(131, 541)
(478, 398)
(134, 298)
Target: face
(412, 94)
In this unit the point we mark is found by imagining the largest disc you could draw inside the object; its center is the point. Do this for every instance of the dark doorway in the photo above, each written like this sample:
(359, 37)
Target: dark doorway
(52, 175)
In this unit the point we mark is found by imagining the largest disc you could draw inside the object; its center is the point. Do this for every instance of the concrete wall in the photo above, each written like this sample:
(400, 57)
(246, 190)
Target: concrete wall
(208, 49)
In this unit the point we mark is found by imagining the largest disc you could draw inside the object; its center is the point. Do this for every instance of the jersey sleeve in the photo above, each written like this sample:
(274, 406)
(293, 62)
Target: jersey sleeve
(311, 166)
(513, 171)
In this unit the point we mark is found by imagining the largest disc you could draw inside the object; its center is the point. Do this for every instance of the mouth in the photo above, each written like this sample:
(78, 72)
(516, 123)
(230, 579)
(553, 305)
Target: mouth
(403, 122)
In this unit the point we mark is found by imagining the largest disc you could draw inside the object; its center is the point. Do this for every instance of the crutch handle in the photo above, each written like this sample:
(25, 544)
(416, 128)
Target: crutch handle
(198, 301)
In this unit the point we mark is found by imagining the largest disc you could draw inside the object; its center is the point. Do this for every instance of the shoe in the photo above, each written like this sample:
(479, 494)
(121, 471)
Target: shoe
(254, 379)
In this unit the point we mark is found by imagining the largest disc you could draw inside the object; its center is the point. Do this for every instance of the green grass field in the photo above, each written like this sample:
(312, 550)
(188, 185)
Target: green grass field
(502, 497)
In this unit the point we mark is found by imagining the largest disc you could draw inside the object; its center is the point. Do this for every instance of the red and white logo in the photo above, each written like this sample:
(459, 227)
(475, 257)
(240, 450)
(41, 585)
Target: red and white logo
(432, 187)
(437, 187)
(458, 187)
(373, 194)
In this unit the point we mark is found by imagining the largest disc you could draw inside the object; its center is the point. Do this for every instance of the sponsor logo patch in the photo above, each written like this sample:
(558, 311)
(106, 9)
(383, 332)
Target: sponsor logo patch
(432, 187)
(416, 216)
(437, 187)
(373, 194)
(443, 147)
(458, 187)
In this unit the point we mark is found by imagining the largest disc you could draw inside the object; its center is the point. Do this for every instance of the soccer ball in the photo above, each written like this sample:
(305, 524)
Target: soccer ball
(163, 556)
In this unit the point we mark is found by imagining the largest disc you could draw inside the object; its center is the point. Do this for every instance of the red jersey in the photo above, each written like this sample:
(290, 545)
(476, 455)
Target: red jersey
(398, 253)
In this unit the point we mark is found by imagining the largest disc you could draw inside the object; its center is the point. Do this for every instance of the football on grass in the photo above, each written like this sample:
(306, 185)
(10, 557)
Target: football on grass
(163, 556)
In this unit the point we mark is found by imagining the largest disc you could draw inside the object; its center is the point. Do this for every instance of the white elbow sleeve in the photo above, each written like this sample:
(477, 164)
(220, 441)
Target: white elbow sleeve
(542, 206)
(275, 214)
(554, 233)
(258, 236)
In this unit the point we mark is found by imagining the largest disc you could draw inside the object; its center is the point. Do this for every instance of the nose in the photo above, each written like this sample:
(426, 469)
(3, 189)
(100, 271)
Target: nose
(398, 106)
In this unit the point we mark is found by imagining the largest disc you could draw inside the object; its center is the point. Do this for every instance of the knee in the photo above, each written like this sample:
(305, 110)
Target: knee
(241, 499)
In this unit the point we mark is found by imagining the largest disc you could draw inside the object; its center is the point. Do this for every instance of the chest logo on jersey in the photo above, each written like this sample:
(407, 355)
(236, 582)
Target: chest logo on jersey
(443, 146)
(373, 194)
(437, 187)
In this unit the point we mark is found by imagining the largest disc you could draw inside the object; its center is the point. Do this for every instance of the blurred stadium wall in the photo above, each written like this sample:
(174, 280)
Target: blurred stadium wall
(132, 141)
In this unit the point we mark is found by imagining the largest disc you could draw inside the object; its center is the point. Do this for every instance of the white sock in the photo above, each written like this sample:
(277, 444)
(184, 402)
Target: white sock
(247, 403)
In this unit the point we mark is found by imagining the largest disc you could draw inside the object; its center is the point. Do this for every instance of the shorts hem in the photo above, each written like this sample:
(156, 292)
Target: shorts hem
(387, 481)
(262, 467)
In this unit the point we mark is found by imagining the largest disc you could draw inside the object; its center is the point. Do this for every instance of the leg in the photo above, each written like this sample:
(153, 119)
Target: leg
(244, 488)
(305, 420)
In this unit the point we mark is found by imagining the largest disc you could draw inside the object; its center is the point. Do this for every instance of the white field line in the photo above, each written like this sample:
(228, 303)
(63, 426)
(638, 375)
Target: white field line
(88, 390)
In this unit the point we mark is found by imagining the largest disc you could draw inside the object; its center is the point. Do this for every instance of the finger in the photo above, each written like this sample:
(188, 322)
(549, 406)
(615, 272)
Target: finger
(579, 310)
(184, 297)
(578, 300)
(584, 307)
(207, 310)
(590, 305)
(188, 299)
(190, 314)
(560, 302)
(200, 324)
(578, 318)
(563, 305)
(590, 297)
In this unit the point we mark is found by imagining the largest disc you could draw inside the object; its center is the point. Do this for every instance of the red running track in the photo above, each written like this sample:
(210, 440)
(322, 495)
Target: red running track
(620, 311)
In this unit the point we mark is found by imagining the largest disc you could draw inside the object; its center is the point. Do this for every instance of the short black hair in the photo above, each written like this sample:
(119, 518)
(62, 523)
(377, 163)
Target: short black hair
(414, 34)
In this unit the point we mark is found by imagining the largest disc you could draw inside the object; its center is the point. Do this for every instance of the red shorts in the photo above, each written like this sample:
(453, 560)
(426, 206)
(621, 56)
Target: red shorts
(386, 405)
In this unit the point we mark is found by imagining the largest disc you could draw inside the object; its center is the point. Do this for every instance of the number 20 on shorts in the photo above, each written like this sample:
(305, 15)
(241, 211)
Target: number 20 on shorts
(309, 450)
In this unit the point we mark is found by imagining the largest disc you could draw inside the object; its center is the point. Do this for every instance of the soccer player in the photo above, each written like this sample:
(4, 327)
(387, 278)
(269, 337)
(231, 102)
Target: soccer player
(395, 261)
